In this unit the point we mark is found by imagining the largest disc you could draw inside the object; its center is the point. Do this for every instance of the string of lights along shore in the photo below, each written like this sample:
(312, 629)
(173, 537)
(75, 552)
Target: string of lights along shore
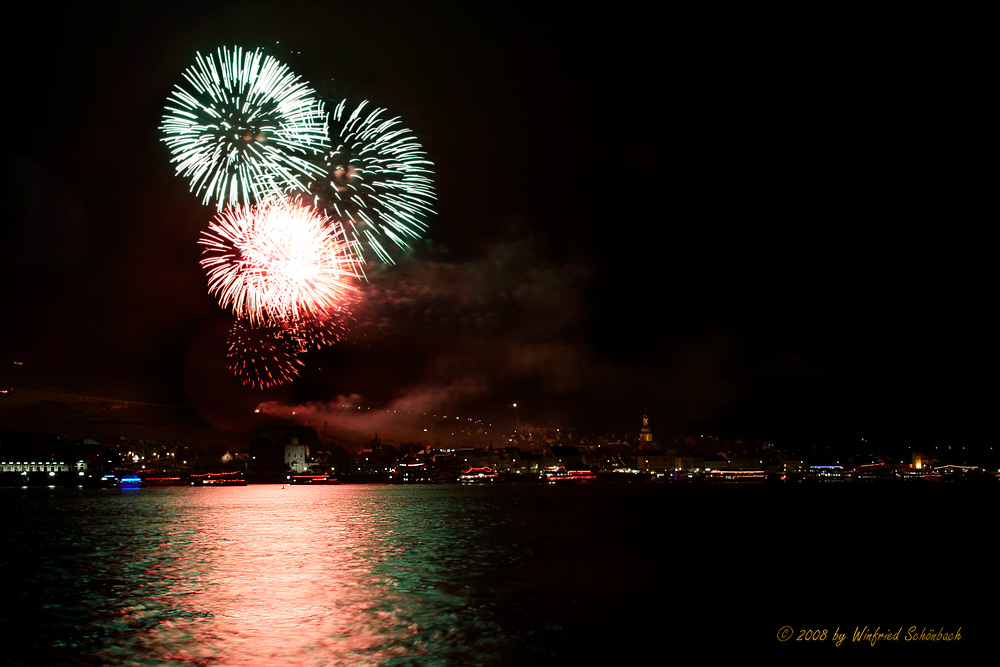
(304, 199)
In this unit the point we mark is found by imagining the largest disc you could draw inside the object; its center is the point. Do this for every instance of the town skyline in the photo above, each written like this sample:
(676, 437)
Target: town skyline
(106, 421)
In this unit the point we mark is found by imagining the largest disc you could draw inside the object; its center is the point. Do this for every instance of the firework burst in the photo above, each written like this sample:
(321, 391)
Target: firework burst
(243, 127)
(260, 356)
(279, 262)
(378, 181)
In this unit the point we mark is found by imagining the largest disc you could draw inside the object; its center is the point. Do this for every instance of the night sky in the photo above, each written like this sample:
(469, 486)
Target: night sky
(763, 226)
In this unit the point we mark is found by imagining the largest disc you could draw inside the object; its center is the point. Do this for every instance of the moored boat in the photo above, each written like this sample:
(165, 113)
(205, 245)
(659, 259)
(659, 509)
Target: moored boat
(313, 478)
(478, 475)
(163, 480)
(218, 479)
(131, 481)
(559, 475)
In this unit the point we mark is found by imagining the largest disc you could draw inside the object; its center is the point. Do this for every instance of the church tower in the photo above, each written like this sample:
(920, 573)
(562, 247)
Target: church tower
(645, 434)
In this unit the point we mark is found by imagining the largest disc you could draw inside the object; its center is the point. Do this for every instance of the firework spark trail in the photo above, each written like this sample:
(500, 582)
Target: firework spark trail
(378, 181)
(260, 357)
(319, 331)
(243, 128)
(280, 261)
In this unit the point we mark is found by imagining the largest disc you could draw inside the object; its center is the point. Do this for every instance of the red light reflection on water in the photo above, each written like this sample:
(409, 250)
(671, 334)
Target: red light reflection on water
(275, 575)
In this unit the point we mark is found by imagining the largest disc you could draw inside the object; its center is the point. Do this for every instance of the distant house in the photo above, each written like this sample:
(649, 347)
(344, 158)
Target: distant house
(234, 458)
(689, 463)
(654, 460)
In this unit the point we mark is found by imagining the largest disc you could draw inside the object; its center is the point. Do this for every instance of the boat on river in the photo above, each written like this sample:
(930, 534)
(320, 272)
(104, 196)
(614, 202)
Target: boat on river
(312, 478)
(130, 481)
(559, 475)
(481, 475)
(163, 480)
(218, 479)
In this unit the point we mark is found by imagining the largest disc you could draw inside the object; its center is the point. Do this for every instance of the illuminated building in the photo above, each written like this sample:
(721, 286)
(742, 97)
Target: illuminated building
(645, 434)
(297, 456)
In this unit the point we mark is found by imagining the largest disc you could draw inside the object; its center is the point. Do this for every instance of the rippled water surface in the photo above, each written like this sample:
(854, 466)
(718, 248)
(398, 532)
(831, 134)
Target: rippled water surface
(449, 575)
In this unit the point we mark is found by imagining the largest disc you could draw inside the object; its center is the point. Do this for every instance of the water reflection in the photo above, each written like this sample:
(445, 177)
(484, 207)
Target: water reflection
(272, 575)
(454, 575)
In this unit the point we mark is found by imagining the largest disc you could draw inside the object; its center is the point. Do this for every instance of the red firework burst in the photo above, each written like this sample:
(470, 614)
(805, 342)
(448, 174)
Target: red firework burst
(279, 261)
(260, 357)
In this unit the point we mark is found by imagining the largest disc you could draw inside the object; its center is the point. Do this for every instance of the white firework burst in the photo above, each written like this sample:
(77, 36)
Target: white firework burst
(378, 181)
(242, 128)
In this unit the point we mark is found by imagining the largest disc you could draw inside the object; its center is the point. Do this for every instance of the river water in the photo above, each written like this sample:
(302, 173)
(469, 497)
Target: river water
(467, 575)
